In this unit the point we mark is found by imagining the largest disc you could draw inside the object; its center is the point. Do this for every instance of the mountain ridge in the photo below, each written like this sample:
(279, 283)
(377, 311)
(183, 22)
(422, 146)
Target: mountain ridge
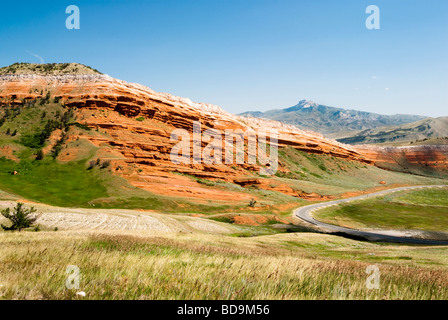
(423, 130)
(331, 121)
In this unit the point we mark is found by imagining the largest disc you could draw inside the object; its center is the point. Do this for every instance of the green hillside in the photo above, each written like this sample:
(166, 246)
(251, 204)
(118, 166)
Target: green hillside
(427, 131)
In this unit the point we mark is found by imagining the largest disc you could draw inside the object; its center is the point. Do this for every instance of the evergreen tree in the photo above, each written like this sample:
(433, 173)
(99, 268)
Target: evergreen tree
(21, 218)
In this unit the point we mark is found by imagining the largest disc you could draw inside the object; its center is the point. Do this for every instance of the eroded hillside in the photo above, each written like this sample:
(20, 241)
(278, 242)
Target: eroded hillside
(106, 124)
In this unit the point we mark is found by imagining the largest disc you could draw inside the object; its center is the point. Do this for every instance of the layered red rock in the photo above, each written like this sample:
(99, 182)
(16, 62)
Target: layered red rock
(414, 159)
(141, 149)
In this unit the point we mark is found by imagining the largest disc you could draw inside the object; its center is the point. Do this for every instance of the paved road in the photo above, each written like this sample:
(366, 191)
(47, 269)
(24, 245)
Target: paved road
(304, 213)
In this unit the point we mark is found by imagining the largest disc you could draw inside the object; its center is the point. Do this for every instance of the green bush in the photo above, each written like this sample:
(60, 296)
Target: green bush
(82, 126)
(38, 139)
(21, 217)
(39, 154)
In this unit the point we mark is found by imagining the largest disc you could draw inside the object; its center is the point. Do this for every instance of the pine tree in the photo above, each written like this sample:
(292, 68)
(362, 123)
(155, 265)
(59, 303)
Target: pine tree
(20, 218)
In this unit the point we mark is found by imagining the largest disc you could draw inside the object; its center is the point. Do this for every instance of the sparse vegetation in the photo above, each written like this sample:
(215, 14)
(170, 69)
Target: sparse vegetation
(58, 145)
(48, 68)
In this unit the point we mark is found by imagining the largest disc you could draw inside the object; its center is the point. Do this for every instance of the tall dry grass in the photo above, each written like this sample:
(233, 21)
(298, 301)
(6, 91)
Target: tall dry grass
(33, 266)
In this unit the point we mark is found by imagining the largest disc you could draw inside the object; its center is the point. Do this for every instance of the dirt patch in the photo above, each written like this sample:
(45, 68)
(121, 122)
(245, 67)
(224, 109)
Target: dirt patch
(117, 219)
(8, 152)
(255, 219)
(181, 186)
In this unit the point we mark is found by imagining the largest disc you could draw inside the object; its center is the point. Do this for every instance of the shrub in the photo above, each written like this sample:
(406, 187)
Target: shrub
(37, 140)
(39, 154)
(206, 182)
(140, 119)
(21, 218)
(91, 165)
(67, 116)
(58, 146)
(105, 164)
(252, 203)
(82, 126)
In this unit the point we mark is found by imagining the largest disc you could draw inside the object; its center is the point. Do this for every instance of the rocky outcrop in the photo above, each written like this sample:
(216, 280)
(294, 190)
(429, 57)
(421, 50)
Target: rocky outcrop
(148, 141)
(133, 125)
(425, 160)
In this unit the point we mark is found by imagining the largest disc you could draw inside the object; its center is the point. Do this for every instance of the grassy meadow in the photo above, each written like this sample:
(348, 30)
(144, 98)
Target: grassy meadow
(198, 266)
(425, 209)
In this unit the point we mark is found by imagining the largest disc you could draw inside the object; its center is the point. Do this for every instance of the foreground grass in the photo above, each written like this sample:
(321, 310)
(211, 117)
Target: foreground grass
(425, 209)
(198, 266)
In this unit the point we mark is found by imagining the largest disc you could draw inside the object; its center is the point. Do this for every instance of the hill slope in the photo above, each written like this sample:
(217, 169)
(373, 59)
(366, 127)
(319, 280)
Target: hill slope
(330, 120)
(431, 128)
(92, 140)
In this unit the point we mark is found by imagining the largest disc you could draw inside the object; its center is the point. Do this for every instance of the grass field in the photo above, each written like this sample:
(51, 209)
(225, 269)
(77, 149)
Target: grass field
(425, 209)
(202, 266)
(328, 175)
(51, 182)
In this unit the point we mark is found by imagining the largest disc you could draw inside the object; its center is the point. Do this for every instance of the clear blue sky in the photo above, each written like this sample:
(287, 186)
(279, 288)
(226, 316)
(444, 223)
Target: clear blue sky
(250, 54)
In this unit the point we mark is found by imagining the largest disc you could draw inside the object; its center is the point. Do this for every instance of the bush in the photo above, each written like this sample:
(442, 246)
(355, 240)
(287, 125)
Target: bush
(206, 182)
(39, 154)
(21, 217)
(82, 126)
(140, 119)
(37, 140)
(252, 203)
(105, 164)
(91, 165)
(58, 145)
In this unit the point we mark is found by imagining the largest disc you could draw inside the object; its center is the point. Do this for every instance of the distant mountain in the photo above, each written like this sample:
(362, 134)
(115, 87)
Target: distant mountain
(430, 130)
(330, 120)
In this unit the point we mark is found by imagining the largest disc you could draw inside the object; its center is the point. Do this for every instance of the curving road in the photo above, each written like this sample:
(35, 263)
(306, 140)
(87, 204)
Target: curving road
(304, 213)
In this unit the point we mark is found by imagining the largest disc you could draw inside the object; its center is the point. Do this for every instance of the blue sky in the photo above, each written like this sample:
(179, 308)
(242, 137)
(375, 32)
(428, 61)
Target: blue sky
(250, 54)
